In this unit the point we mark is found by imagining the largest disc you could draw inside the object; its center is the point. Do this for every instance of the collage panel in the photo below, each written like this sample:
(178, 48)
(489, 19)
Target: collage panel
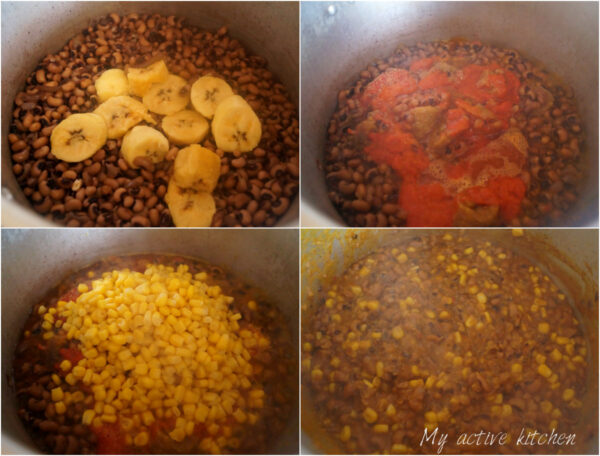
(449, 114)
(449, 341)
(150, 341)
(110, 117)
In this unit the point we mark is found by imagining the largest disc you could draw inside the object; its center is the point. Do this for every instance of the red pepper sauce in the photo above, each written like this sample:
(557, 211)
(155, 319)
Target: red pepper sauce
(480, 169)
(111, 439)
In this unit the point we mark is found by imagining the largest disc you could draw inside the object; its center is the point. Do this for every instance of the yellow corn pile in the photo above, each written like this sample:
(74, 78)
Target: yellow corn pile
(159, 344)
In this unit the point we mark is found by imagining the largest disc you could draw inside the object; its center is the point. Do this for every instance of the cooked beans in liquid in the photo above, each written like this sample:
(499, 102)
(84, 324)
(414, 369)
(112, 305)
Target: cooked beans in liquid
(445, 331)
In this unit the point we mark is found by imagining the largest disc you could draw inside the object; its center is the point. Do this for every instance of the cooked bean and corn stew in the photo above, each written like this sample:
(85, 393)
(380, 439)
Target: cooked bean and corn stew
(449, 332)
(144, 120)
(150, 354)
(454, 133)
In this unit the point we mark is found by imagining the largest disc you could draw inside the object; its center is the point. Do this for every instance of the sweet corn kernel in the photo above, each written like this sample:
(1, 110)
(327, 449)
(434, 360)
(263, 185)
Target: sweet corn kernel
(516, 368)
(397, 332)
(568, 394)
(65, 365)
(430, 381)
(544, 370)
(556, 355)
(381, 428)
(431, 417)
(317, 375)
(60, 407)
(109, 418)
(370, 415)
(356, 290)
(416, 382)
(373, 305)
(88, 417)
(141, 439)
(57, 394)
(544, 328)
(345, 434)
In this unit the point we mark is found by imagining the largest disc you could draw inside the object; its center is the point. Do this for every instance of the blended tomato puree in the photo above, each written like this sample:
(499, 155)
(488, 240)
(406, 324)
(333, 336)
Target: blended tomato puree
(468, 132)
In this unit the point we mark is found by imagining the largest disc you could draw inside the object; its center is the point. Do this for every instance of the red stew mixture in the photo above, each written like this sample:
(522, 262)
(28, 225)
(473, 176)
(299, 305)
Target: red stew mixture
(446, 331)
(202, 364)
(454, 134)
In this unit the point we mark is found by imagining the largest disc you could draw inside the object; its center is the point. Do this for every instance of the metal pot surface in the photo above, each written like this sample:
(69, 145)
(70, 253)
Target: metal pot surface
(34, 261)
(569, 256)
(339, 39)
(268, 29)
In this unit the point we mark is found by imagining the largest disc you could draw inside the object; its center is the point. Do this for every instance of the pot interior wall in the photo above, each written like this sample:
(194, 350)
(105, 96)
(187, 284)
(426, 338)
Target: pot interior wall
(268, 29)
(350, 36)
(569, 256)
(34, 261)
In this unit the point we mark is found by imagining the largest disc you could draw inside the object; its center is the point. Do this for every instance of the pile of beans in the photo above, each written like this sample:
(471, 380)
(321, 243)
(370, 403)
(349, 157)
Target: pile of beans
(445, 330)
(366, 194)
(255, 189)
(39, 370)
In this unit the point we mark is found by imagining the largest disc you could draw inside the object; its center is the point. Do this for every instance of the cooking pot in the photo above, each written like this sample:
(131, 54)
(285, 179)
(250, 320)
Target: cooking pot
(32, 30)
(569, 256)
(34, 261)
(339, 39)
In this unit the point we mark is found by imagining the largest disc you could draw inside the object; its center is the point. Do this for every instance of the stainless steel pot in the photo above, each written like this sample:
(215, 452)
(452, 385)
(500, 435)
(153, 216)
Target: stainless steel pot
(33, 261)
(32, 30)
(339, 39)
(569, 256)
